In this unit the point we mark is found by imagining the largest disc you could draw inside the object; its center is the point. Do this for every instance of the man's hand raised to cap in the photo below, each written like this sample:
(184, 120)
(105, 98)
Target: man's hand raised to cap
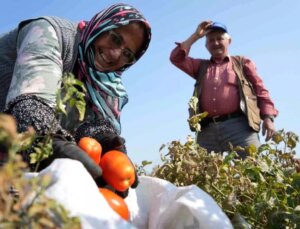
(202, 29)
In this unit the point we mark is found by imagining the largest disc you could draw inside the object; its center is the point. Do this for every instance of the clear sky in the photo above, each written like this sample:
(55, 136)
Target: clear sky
(265, 31)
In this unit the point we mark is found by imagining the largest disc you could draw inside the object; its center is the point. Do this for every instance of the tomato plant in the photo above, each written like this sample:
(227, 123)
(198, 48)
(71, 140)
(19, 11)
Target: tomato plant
(261, 191)
(92, 147)
(117, 170)
(116, 203)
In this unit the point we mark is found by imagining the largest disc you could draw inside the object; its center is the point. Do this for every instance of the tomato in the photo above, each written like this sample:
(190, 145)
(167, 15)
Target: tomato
(117, 170)
(92, 147)
(116, 203)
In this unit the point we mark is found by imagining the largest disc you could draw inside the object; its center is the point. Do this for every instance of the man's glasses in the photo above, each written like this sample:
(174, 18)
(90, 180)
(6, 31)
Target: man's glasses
(127, 55)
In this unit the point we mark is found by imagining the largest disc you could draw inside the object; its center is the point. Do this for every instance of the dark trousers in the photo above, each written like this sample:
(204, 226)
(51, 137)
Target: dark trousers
(216, 135)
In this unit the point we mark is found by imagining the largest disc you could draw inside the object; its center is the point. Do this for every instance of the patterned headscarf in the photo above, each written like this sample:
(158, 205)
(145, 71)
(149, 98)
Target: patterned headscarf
(105, 89)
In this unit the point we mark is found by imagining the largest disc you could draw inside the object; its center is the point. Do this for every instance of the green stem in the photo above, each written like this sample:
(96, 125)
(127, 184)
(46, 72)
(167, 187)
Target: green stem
(218, 190)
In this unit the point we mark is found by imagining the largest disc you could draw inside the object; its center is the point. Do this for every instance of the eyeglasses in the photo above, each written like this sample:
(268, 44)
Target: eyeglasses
(127, 55)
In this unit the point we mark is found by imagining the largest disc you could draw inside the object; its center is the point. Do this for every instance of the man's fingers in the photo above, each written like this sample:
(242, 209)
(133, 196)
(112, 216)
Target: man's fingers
(270, 133)
(263, 130)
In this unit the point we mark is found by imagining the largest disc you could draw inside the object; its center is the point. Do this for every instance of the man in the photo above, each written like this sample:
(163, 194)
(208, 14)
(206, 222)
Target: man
(234, 110)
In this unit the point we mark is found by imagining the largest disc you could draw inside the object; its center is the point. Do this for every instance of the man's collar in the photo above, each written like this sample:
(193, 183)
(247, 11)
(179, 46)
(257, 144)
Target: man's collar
(226, 59)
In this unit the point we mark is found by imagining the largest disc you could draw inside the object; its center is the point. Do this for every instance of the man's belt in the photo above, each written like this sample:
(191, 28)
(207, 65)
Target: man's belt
(222, 118)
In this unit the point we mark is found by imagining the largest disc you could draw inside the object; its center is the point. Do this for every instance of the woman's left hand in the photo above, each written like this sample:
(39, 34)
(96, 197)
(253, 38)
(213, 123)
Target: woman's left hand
(115, 142)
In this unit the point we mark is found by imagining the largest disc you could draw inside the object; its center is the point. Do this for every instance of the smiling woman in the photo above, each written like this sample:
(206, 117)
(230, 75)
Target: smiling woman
(40, 51)
(118, 47)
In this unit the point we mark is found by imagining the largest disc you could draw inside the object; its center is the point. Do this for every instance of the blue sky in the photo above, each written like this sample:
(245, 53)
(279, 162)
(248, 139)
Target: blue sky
(265, 31)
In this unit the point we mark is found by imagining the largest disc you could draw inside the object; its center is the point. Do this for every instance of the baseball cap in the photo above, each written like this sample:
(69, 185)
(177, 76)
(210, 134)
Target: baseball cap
(218, 26)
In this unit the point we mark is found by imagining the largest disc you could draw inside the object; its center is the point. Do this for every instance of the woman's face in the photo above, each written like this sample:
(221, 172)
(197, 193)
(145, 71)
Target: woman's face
(118, 47)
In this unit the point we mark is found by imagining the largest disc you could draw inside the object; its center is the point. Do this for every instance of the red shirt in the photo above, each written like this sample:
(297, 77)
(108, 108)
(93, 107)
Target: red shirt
(220, 93)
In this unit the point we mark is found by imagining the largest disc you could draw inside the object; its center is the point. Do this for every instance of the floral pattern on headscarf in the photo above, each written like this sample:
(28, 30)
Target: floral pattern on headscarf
(105, 89)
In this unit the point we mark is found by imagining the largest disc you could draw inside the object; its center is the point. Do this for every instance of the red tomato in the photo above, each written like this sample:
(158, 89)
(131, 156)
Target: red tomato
(92, 147)
(116, 203)
(117, 170)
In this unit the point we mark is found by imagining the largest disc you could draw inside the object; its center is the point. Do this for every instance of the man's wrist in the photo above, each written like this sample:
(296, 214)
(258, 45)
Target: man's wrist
(271, 117)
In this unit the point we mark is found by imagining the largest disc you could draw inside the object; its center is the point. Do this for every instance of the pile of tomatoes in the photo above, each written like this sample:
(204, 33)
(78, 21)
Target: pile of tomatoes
(117, 171)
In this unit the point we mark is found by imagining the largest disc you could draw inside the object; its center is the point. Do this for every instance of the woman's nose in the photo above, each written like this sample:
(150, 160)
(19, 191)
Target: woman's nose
(116, 53)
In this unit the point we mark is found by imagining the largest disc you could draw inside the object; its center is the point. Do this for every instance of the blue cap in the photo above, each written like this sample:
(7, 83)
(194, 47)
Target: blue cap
(218, 26)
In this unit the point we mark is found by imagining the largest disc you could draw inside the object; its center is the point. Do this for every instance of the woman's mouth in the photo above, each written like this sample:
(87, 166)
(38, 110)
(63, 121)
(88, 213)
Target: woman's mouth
(102, 61)
(105, 59)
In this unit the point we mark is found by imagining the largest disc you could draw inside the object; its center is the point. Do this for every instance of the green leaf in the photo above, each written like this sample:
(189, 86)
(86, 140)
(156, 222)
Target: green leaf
(35, 209)
(291, 143)
(263, 166)
(193, 103)
(249, 191)
(70, 92)
(33, 158)
(80, 105)
(59, 103)
(229, 157)
(162, 147)
(72, 102)
(277, 137)
(251, 150)
(145, 163)
(47, 223)
(296, 182)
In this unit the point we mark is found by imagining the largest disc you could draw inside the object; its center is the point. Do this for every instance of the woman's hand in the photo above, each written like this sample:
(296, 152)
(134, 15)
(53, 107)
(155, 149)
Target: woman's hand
(109, 140)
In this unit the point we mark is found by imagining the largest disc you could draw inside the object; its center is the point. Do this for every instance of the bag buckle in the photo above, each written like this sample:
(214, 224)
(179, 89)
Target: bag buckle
(214, 119)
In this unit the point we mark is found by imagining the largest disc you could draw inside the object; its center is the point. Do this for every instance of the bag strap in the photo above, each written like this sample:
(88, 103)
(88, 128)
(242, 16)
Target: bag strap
(197, 89)
(239, 63)
(201, 72)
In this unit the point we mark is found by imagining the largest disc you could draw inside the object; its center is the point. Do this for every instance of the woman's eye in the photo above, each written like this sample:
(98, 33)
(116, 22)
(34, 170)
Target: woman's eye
(126, 53)
(116, 39)
(129, 56)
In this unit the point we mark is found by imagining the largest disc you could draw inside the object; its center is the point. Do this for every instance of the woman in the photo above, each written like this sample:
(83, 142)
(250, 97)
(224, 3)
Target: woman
(33, 58)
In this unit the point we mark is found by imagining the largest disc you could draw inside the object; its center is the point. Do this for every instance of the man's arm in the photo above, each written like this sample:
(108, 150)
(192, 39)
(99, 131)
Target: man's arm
(179, 56)
(200, 32)
(267, 108)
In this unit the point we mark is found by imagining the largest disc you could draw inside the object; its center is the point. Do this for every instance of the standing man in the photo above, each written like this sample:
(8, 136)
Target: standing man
(229, 89)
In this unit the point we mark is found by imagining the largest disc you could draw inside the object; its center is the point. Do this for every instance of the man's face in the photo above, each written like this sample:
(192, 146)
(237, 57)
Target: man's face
(217, 43)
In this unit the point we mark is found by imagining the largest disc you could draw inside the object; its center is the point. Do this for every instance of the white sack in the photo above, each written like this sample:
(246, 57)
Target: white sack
(158, 204)
(75, 189)
(154, 204)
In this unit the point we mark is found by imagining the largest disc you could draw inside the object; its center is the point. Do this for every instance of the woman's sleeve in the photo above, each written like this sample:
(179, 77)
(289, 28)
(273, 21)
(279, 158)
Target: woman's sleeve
(38, 67)
(35, 80)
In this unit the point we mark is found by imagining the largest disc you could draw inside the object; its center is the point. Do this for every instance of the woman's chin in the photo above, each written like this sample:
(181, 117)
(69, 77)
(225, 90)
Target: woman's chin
(101, 67)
